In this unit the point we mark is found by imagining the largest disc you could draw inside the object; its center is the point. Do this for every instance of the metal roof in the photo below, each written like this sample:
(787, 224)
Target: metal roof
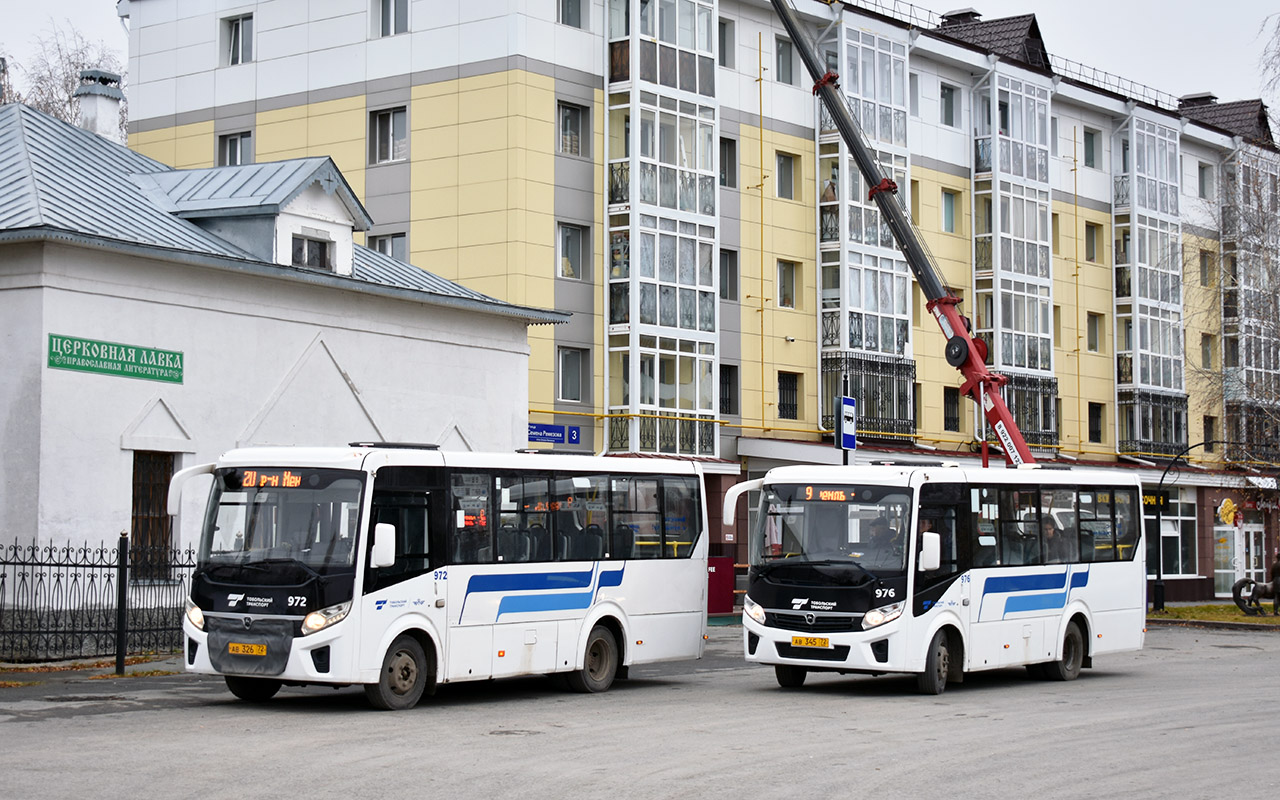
(62, 182)
(255, 188)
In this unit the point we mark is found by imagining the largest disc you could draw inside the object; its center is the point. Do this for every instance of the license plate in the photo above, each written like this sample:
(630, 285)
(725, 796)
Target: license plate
(811, 641)
(239, 649)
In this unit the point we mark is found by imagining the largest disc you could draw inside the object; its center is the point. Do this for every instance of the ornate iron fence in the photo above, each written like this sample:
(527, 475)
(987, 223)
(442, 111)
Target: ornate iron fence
(63, 601)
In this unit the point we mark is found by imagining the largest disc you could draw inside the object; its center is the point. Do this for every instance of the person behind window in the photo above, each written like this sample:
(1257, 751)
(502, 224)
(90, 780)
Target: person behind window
(882, 535)
(1056, 548)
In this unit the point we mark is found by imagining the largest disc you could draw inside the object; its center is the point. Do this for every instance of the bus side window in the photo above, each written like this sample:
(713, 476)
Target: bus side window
(983, 530)
(400, 498)
(1126, 525)
(471, 539)
(582, 517)
(681, 517)
(637, 515)
(1019, 527)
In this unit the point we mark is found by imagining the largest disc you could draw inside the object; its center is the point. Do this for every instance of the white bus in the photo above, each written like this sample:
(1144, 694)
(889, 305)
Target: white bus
(941, 570)
(402, 567)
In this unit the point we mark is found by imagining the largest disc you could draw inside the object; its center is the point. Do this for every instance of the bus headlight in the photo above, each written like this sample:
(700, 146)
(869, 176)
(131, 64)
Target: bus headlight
(753, 609)
(194, 615)
(319, 620)
(879, 616)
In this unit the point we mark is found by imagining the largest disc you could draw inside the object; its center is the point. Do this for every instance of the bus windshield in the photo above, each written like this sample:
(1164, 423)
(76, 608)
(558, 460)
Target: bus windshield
(302, 515)
(822, 523)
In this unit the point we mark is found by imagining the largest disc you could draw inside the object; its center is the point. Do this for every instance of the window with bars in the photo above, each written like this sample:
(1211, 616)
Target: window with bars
(151, 529)
(788, 395)
(729, 389)
(950, 408)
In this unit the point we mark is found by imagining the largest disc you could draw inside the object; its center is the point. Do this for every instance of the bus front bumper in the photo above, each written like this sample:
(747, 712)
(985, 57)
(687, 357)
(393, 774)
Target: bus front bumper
(881, 649)
(322, 657)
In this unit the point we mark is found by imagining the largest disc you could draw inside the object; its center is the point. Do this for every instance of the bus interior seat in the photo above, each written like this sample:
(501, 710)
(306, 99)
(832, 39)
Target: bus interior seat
(513, 544)
(540, 543)
(590, 543)
(623, 542)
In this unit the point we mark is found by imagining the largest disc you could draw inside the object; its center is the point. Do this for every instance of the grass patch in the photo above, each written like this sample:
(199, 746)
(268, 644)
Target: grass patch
(1215, 612)
(79, 665)
(149, 673)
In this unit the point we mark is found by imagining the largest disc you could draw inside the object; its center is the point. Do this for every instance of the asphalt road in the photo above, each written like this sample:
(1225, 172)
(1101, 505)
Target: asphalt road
(1193, 715)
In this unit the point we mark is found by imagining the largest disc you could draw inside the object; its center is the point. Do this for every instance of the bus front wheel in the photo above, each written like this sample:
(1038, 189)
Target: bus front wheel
(600, 664)
(1067, 668)
(252, 690)
(937, 663)
(403, 678)
(790, 676)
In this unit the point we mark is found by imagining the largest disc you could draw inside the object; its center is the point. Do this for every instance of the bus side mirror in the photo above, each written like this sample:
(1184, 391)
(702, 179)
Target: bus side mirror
(930, 551)
(384, 545)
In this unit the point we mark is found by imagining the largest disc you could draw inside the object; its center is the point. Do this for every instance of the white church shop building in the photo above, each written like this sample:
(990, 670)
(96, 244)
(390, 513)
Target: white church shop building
(152, 318)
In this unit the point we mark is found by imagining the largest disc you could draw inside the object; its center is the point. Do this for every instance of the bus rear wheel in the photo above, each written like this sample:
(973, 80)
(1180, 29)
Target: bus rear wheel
(252, 690)
(1067, 668)
(403, 677)
(599, 665)
(937, 663)
(790, 676)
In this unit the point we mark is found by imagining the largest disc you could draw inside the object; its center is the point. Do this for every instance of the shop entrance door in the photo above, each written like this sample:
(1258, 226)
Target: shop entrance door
(1237, 553)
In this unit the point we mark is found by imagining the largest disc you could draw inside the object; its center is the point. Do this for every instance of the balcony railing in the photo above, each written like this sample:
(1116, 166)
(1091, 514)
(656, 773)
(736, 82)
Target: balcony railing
(884, 387)
(1157, 423)
(1124, 282)
(982, 155)
(1120, 194)
(620, 182)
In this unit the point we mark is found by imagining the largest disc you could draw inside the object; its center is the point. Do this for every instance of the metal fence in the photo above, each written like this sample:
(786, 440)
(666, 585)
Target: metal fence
(80, 601)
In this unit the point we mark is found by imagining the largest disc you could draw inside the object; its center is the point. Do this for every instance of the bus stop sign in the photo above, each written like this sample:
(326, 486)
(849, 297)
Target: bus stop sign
(847, 436)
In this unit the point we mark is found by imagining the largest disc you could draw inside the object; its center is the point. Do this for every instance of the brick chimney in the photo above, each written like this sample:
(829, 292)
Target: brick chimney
(100, 97)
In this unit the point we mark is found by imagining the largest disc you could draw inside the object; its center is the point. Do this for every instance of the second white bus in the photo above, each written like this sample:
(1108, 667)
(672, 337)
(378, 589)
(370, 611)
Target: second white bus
(939, 571)
(402, 567)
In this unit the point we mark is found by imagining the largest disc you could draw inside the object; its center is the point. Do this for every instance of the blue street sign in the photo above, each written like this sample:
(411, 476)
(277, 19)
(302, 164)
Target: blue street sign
(555, 434)
(848, 431)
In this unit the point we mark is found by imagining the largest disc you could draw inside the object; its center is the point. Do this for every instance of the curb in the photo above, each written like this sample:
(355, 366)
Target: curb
(1213, 624)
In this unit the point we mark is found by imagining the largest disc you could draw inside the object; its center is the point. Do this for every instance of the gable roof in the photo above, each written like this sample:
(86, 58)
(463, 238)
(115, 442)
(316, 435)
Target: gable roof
(1244, 118)
(62, 182)
(255, 188)
(1015, 38)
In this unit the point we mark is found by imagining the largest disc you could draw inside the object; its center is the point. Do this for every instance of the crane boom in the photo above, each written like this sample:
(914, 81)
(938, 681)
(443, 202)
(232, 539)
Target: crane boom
(962, 351)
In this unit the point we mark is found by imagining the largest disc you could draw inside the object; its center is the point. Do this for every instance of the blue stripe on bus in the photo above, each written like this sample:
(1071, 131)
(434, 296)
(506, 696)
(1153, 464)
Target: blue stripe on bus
(517, 603)
(1034, 583)
(525, 581)
(609, 578)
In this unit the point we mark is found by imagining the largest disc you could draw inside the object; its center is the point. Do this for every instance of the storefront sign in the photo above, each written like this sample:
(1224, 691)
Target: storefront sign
(112, 358)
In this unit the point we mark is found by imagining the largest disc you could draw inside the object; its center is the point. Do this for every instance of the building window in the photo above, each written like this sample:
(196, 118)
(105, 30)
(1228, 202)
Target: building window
(1092, 141)
(1093, 332)
(788, 395)
(1210, 434)
(235, 149)
(950, 408)
(948, 112)
(785, 176)
(726, 43)
(1206, 268)
(1055, 230)
(1053, 136)
(1095, 423)
(948, 211)
(728, 163)
(571, 117)
(570, 12)
(786, 62)
(572, 367)
(787, 284)
(314, 253)
(393, 16)
(1091, 236)
(388, 136)
(729, 275)
(237, 39)
(391, 244)
(1206, 350)
(729, 389)
(913, 94)
(151, 525)
(571, 256)
(1204, 181)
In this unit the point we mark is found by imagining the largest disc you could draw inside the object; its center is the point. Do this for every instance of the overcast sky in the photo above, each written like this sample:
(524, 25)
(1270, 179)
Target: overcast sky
(1177, 46)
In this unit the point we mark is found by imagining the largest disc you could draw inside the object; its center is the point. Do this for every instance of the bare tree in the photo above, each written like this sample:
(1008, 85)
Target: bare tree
(49, 80)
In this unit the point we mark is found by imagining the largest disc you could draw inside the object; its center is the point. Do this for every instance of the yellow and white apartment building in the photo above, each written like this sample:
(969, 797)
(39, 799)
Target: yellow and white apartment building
(661, 169)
